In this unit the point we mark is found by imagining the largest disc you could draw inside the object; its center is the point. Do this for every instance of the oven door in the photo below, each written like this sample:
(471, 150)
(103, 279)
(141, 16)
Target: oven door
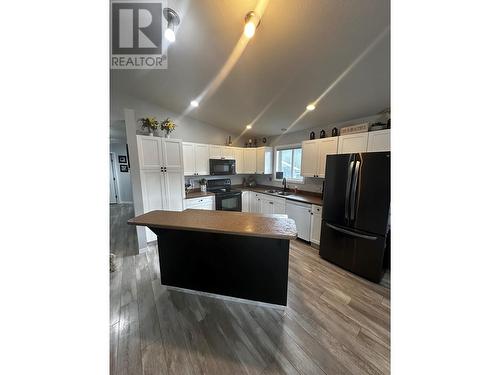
(221, 167)
(228, 202)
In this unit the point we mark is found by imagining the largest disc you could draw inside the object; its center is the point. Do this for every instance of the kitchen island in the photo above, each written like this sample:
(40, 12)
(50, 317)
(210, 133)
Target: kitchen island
(236, 254)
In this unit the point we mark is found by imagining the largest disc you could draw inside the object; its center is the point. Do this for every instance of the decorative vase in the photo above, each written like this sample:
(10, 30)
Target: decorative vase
(322, 134)
(203, 188)
(167, 135)
(312, 135)
(335, 132)
(151, 134)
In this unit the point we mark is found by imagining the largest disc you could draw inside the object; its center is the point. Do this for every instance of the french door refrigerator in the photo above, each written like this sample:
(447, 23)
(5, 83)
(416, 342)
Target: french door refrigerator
(356, 204)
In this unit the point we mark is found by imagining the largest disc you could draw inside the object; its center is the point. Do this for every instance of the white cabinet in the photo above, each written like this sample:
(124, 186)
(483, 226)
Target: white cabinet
(250, 160)
(326, 146)
(272, 205)
(314, 154)
(264, 161)
(316, 223)
(228, 152)
(195, 159)
(301, 213)
(216, 152)
(255, 202)
(379, 140)
(150, 152)
(201, 203)
(309, 158)
(353, 143)
(238, 159)
(161, 171)
(245, 201)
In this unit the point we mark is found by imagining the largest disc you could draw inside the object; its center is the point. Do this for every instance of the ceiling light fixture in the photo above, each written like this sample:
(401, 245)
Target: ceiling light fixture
(249, 126)
(252, 21)
(172, 20)
(311, 107)
(194, 103)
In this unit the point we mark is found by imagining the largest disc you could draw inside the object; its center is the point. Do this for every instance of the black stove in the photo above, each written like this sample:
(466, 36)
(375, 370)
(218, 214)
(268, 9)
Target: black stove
(226, 199)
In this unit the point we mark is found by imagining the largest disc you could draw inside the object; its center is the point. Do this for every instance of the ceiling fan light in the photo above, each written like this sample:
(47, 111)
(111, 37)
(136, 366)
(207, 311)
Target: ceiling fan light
(170, 35)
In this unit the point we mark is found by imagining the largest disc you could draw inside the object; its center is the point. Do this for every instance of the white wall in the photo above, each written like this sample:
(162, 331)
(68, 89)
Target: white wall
(123, 178)
(188, 129)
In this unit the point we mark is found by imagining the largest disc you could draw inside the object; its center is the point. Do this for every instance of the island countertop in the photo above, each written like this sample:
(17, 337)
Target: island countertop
(226, 222)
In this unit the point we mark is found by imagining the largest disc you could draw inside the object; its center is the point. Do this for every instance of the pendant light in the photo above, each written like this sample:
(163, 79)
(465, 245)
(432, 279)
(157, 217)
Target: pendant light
(173, 20)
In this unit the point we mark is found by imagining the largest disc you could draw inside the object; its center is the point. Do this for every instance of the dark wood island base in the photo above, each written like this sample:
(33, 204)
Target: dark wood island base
(247, 260)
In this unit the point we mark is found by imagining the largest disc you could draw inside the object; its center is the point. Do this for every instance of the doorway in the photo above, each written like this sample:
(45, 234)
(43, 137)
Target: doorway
(113, 187)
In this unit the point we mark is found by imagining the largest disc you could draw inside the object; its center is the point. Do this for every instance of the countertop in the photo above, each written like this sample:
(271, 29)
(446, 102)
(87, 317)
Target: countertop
(198, 194)
(228, 222)
(299, 197)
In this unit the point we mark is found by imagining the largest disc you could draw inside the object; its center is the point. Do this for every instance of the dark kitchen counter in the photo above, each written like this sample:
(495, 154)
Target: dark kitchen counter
(300, 196)
(198, 194)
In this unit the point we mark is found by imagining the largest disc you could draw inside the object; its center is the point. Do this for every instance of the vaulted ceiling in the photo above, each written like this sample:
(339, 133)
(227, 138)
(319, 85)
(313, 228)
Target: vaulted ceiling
(338, 50)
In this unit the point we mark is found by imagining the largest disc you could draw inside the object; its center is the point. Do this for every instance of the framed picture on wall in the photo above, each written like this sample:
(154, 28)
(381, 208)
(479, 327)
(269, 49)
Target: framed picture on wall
(123, 168)
(122, 159)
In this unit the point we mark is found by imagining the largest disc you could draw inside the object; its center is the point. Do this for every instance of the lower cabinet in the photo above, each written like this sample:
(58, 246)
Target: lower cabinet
(301, 213)
(272, 205)
(316, 223)
(255, 202)
(202, 203)
(245, 201)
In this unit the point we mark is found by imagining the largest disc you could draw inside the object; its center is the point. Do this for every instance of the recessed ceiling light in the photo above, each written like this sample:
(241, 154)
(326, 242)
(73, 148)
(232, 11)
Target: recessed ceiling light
(311, 107)
(249, 126)
(194, 103)
(251, 23)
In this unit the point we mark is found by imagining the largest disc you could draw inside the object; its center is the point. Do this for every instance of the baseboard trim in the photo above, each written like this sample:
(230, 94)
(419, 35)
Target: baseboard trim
(227, 298)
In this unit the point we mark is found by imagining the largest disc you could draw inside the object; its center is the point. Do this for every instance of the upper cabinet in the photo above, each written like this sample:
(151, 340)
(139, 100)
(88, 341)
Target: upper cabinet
(314, 154)
(150, 152)
(228, 152)
(157, 153)
(379, 140)
(249, 160)
(216, 152)
(353, 143)
(238, 158)
(264, 160)
(196, 157)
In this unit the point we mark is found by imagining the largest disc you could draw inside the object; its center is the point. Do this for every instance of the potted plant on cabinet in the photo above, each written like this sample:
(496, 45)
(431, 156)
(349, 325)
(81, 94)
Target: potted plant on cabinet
(203, 184)
(168, 126)
(149, 123)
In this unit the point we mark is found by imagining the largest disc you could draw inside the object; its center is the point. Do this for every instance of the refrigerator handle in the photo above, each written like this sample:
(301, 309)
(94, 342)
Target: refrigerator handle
(348, 188)
(354, 234)
(353, 191)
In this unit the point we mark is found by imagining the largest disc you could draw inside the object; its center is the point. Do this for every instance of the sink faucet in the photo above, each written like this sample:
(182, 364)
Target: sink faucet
(284, 184)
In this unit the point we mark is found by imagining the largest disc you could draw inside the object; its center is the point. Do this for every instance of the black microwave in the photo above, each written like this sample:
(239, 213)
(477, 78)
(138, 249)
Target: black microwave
(219, 167)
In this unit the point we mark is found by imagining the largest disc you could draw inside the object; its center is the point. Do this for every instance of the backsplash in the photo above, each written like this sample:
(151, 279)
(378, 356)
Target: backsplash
(235, 180)
(314, 185)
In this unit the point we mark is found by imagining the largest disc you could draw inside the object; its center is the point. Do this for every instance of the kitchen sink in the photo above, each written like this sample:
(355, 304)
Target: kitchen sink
(278, 192)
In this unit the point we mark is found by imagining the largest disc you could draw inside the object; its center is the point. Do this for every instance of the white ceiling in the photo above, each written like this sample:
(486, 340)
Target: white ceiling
(299, 49)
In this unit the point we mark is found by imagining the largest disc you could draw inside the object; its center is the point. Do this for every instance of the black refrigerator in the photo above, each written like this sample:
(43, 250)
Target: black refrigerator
(356, 204)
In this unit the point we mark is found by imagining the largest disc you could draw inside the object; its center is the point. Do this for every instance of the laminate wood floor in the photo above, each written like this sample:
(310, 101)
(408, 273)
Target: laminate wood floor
(335, 322)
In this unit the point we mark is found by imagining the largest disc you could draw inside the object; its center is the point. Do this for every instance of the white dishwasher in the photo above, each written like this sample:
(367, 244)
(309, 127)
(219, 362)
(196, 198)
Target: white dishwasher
(301, 213)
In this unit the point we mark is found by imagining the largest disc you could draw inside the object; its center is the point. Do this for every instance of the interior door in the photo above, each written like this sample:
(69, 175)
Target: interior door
(113, 190)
